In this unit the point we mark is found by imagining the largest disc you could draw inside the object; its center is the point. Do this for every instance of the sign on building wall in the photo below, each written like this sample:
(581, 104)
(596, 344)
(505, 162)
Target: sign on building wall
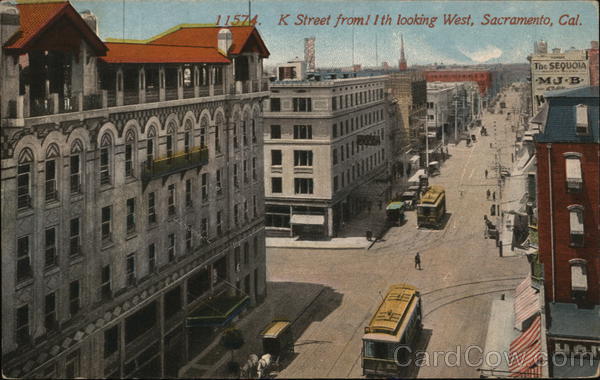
(557, 71)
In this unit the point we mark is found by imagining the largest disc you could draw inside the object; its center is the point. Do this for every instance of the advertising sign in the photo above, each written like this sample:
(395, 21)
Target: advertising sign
(557, 71)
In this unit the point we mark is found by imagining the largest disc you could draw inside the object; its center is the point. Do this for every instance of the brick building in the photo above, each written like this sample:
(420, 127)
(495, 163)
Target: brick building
(482, 77)
(568, 194)
(593, 60)
(132, 193)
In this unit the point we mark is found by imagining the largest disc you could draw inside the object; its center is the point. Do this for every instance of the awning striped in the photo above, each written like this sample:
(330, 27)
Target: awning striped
(526, 302)
(525, 352)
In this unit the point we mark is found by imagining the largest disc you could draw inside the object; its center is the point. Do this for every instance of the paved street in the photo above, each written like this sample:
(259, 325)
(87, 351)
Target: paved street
(462, 272)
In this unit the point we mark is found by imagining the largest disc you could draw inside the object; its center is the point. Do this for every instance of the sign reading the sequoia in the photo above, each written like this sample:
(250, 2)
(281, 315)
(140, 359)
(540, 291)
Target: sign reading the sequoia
(557, 71)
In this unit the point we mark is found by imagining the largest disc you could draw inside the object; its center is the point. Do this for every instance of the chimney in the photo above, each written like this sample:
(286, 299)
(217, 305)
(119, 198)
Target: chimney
(90, 19)
(224, 41)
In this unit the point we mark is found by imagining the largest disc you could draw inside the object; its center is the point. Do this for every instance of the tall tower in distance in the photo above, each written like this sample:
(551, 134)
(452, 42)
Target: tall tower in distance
(402, 65)
(309, 53)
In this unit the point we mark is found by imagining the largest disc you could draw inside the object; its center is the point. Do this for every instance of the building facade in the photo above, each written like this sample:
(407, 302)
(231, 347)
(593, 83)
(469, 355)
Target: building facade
(568, 192)
(482, 77)
(132, 193)
(324, 142)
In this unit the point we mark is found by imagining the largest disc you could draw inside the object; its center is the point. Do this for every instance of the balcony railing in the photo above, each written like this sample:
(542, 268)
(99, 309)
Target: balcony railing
(245, 87)
(219, 89)
(112, 98)
(188, 92)
(152, 95)
(131, 97)
(69, 104)
(164, 167)
(92, 102)
(203, 91)
(171, 93)
(41, 107)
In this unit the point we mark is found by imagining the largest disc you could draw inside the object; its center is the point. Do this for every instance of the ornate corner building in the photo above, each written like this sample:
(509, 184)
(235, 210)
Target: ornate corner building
(132, 192)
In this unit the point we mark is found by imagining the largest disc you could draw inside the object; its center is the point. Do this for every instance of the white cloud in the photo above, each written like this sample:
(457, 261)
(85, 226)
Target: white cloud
(419, 51)
(483, 55)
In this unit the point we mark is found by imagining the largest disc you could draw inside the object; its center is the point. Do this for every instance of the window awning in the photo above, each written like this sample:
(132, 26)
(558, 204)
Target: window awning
(217, 311)
(526, 302)
(573, 170)
(576, 221)
(578, 278)
(318, 220)
(525, 352)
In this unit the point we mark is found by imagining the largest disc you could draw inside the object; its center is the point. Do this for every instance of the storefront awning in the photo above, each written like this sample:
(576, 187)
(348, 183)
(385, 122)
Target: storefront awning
(525, 352)
(317, 220)
(526, 302)
(217, 311)
(395, 206)
(573, 170)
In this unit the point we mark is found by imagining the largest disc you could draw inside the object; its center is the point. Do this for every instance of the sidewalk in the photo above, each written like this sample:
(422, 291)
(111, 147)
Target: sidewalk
(286, 300)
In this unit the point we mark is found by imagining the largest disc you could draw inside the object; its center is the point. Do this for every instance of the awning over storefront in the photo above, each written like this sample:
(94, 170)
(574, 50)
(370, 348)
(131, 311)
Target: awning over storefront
(525, 352)
(417, 176)
(526, 302)
(573, 169)
(317, 220)
(395, 206)
(217, 311)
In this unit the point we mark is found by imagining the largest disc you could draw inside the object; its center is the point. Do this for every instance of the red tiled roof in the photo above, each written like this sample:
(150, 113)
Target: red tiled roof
(206, 36)
(37, 17)
(146, 53)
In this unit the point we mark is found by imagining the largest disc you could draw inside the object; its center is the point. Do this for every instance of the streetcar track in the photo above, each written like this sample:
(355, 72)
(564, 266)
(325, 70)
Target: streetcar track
(471, 283)
(465, 297)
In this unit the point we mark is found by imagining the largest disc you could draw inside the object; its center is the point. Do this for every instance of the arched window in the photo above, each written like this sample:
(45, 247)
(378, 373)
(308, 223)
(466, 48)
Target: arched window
(130, 144)
(105, 160)
(187, 138)
(171, 138)
(51, 168)
(218, 131)
(150, 145)
(24, 171)
(203, 128)
(75, 167)
(236, 119)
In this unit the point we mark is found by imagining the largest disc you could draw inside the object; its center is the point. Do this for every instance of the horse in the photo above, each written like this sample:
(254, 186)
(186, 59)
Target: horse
(263, 364)
(249, 368)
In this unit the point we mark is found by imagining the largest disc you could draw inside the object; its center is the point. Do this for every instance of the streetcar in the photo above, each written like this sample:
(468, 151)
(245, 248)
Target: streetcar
(392, 333)
(395, 213)
(432, 208)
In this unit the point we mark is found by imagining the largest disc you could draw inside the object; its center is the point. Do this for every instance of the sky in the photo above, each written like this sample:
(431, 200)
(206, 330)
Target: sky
(448, 44)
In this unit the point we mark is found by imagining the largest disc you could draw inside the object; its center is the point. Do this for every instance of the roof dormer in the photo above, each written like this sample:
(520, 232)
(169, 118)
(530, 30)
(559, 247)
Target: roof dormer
(581, 119)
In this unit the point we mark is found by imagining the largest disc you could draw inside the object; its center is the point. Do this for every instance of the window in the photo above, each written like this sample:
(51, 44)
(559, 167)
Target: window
(253, 131)
(573, 172)
(22, 325)
(50, 312)
(246, 253)
(236, 219)
(254, 168)
(303, 158)
(576, 225)
(50, 256)
(245, 171)
(188, 238)
(129, 159)
(169, 145)
(24, 181)
(171, 199)
(275, 105)
(333, 103)
(235, 175)
(217, 136)
(75, 176)
(203, 127)
(50, 180)
(335, 183)
(335, 156)
(130, 269)
(334, 131)
(303, 132)
(106, 223)
(151, 258)
(275, 157)
(171, 247)
(219, 223)
(188, 192)
(149, 149)
(151, 208)
(246, 210)
(105, 286)
(303, 185)
(244, 133)
(23, 259)
(276, 186)
(581, 119)
(111, 341)
(204, 230)
(302, 105)
(236, 256)
(204, 189)
(255, 246)
(254, 206)
(275, 131)
(72, 365)
(74, 238)
(130, 215)
(579, 281)
(219, 187)
(74, 298)
(105, 160)
(235, 135)
(342, 153)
